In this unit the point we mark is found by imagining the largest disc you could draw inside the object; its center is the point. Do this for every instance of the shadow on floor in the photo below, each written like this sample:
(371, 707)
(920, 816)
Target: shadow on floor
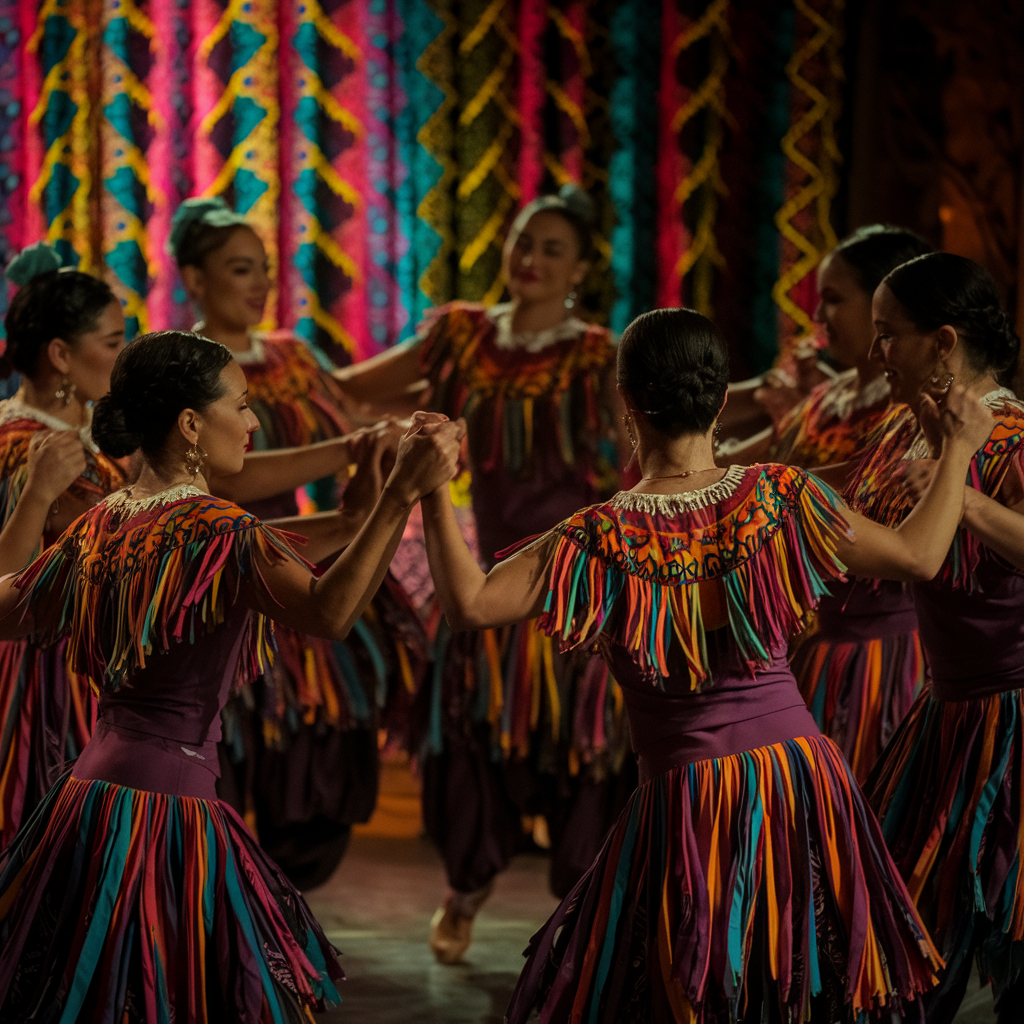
(376, 909)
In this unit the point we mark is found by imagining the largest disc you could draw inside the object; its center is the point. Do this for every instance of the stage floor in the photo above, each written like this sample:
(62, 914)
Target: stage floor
(376, 909)
(377, 906)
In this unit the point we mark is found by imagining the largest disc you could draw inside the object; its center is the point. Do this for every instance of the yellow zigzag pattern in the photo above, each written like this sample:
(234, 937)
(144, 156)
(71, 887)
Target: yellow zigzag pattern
(120, 224)
(703, 252)
(310, 85)
(822, 180)
(493, 19)
(71, 76)
(438, 139)
(257, 80)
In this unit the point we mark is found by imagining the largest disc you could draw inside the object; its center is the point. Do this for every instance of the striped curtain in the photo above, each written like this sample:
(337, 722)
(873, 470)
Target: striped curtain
(381, 148)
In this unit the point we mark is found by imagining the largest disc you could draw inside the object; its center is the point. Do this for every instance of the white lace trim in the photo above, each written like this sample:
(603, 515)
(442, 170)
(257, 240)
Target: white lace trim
(255, 353)
(919, 448)
(122, 500)
(531, 341)
(16, 409)
(687, 501)
(842, 399)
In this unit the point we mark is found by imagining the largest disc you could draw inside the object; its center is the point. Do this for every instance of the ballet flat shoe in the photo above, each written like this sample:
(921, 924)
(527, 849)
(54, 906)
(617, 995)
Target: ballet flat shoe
(450, 936)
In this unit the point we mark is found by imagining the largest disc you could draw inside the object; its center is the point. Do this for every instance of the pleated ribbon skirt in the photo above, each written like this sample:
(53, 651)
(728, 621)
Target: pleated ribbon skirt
(120, 905)
(949, 792)
(860, 690)
(749, 887)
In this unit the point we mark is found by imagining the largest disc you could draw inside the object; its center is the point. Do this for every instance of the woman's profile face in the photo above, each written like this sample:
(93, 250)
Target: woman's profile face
(232, 286)
(541, 262)
(227, 424)
(908, 355)
(844, 310)
(90, 360)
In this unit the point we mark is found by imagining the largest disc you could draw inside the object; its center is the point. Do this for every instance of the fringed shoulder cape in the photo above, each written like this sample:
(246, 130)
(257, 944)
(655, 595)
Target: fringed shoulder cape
(861, 665)
(831, 424)
(295, 399)
(47, 713)
(512, 395)
(875, 489)
(130, 578)
(754, 552)
(19, 425)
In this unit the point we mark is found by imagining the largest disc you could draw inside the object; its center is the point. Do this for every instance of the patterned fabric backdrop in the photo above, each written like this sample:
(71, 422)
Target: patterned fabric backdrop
(380, 148)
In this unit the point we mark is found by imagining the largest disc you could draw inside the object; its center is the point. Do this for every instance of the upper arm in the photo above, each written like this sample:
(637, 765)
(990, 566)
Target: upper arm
(514, 590)
(285, 592)
(385, 375)
(875, 551)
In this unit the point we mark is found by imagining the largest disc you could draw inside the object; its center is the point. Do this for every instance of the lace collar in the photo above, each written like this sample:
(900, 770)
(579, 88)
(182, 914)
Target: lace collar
(253, 354)
(531, 341)
(669, 504)
(15, 408)
(122, 501)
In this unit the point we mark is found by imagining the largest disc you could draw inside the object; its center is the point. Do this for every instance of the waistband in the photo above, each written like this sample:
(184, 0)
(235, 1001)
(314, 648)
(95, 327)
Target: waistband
(155, 764)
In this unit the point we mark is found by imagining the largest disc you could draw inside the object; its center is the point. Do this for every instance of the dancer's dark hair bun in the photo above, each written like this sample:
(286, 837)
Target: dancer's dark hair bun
(53, 304)
(674, 366)
(154, 379)
(942, 288)
(875, 249)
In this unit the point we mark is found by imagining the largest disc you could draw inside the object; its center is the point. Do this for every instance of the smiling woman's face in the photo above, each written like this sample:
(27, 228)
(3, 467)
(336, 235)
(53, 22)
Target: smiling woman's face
(232, 286)
(908, 355)
(541, 261)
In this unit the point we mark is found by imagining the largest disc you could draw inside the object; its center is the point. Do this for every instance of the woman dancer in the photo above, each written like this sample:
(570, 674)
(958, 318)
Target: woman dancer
(64, 332)
(507, 726)
(948, 787)
(134, 894)
(302, 746)
(746, 879)
(861, 668)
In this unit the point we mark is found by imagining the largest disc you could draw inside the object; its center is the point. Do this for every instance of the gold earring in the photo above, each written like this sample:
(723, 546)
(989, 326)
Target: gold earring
(628, 423)
(194, 459)
(66, 392)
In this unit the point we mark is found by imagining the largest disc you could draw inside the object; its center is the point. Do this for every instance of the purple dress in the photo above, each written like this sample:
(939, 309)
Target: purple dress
(747, 876)
(949, 788)
(862, 665)
(133, 893)
(506, 726)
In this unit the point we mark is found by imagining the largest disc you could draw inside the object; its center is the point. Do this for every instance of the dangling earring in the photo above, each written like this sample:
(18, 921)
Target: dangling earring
(570, 300)
(194, 459)
(627, 422)
(66, 392)
(942, 379)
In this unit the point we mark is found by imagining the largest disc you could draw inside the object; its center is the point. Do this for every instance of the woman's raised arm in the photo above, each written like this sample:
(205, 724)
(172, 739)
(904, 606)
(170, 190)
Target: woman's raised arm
(916, 549)
(512, 591)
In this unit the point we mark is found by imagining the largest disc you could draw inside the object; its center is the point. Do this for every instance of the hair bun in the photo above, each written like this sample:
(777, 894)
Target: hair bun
(33, 261)
(578, 203)
(110, 428)
(209, 210)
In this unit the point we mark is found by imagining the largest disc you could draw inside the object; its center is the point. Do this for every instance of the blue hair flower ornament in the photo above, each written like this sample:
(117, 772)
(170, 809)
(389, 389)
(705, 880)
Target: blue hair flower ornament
(40, 258)
(210, 210)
